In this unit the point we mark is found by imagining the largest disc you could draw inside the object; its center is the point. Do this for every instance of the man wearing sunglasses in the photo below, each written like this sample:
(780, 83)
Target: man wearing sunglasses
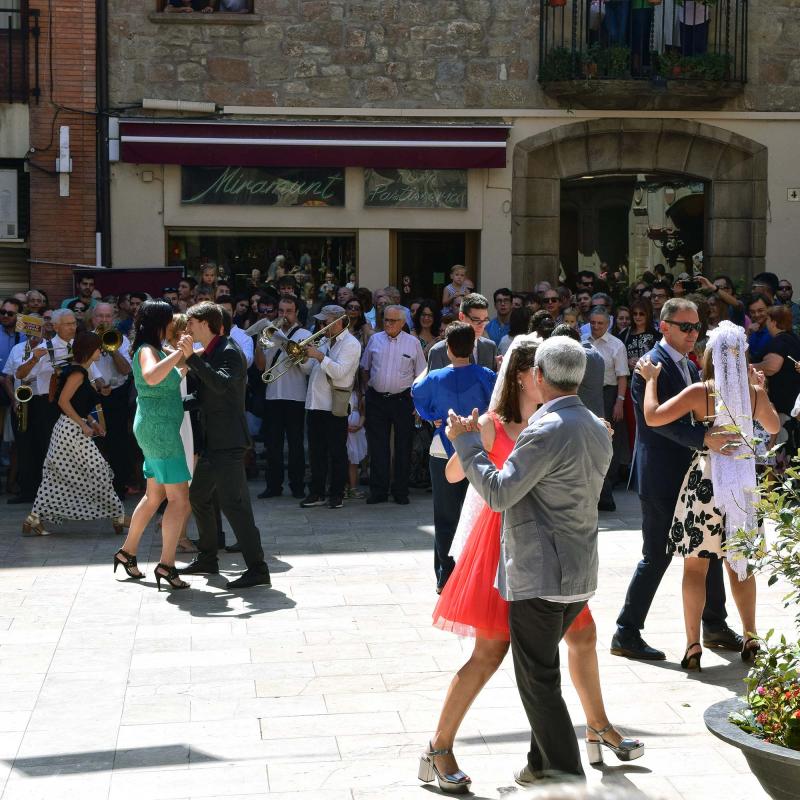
(661, 460)
(9, 338)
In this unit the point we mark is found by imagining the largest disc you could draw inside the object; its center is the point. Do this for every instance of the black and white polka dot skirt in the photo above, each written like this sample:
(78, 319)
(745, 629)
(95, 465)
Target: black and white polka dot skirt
(76, 479)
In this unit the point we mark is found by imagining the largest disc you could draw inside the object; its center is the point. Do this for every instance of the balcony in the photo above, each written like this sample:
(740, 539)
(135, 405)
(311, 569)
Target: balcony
(643, 54)
(18, 28)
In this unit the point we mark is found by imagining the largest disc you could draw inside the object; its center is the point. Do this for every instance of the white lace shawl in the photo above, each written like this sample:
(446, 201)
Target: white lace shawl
(733, 477)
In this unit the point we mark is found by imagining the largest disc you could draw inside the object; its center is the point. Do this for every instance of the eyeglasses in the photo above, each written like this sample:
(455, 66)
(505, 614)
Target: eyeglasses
(79, 309)
(551, 299)
(478, 321)
(393, 321)
(784, 288)
(658, 296)
(352, 308)
(686, 327)
(5, 313)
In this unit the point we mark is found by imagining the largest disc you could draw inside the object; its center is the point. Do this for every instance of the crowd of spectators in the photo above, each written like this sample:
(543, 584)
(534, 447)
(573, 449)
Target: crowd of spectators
(380, 347)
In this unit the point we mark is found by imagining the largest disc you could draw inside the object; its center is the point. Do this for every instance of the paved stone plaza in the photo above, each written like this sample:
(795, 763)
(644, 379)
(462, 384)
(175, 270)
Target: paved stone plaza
(325, 686)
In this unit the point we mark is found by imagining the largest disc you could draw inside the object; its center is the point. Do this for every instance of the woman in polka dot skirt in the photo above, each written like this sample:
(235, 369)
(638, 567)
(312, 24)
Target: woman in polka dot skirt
(76, 479)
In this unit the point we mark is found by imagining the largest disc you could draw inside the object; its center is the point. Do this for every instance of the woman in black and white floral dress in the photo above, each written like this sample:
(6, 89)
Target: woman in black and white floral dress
(718, 493)
(77, 482)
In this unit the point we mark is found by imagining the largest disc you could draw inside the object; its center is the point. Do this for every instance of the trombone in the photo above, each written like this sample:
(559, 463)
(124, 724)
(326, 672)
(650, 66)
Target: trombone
(296, 352)
(110, 338)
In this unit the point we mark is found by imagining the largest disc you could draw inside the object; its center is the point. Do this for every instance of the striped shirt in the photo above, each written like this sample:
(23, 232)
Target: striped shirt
(393, 362)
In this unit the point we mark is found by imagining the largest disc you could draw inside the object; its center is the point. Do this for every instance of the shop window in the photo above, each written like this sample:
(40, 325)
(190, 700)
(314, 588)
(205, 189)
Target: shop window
(205, 6)
(315, 259)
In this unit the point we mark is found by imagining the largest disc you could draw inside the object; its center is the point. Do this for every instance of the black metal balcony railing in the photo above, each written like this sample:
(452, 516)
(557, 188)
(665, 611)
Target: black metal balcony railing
(18, 28)
(671, 40)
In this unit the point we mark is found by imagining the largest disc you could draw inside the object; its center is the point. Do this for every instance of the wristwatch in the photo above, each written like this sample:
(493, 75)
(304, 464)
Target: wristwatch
(621, 397)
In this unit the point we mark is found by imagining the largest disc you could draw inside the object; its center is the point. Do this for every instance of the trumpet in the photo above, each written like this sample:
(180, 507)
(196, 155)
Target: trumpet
(110, 338)
(296, 352)
(23, 395)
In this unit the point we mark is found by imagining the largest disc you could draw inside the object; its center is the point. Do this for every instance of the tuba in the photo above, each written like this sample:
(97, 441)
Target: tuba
(110, 338)
(271, 336)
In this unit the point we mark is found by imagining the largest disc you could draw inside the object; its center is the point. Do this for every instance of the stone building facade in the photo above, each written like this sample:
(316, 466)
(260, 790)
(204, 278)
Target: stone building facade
(445, 63)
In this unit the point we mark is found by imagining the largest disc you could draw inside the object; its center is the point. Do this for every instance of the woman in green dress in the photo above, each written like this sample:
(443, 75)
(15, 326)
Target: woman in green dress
(159, 413)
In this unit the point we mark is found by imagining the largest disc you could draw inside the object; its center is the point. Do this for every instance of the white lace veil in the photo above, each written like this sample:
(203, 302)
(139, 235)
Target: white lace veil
(733, 478)
(473, 502)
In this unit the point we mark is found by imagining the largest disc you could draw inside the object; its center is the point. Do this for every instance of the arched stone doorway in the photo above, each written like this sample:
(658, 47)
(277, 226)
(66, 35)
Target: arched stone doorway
(734, 167)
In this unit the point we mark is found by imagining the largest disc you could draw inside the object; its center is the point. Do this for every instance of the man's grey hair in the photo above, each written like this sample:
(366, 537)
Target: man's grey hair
(602, 296)
(674, 306)
(392, 292)
(100, 307)
(395, 307)
(562, 362)
(60, 313)
(600, 311)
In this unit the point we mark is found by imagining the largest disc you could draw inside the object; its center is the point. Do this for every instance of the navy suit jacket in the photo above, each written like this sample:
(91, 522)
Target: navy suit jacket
(663, 454)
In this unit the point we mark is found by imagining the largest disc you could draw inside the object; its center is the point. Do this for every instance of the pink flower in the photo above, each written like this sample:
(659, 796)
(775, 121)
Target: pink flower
(761, 691)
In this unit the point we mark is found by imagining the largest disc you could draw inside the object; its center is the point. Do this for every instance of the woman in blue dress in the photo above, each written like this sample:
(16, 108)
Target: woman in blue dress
(157, 425)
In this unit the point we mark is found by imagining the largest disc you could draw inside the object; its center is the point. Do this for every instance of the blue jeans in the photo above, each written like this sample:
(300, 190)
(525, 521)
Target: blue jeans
(616, 20)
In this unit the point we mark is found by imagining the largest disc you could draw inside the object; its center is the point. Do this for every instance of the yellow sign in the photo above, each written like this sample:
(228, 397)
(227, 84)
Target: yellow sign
(30, 325)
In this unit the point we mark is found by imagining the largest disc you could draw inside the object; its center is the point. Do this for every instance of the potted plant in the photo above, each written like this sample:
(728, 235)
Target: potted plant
(590, 60)
(560, 64)
(765, 725)
(617, 61)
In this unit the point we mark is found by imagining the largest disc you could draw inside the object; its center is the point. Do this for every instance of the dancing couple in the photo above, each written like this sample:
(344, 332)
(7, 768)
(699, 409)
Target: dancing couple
(219, 475)
(539, 474)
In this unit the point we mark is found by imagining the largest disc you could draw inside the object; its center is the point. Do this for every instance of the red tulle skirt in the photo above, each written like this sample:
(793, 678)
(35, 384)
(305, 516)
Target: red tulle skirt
(469, 604)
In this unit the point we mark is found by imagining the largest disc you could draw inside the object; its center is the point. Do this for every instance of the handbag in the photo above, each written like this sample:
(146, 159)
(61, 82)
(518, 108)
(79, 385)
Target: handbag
(340, 400)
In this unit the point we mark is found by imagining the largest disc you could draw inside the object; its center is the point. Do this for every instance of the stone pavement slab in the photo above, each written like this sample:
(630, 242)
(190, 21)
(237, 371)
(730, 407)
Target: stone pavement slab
(327, 685)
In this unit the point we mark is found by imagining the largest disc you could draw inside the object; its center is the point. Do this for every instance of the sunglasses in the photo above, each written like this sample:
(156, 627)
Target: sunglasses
(551, 299)
(686, 327)
(5, 313)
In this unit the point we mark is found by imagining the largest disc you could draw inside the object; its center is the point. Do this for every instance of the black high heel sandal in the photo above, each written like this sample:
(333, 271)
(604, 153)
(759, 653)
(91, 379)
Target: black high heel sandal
(749, 652)
(692, 662)
(170, 575)
(129, 564)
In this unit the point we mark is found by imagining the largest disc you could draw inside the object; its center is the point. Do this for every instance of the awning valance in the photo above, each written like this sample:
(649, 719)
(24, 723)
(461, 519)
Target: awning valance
(222, 143)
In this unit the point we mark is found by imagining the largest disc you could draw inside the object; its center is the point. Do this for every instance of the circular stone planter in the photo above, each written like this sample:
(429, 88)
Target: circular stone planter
(777, 768)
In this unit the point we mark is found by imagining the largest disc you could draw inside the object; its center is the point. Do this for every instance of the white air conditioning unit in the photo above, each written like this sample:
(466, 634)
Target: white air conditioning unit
(9, 221)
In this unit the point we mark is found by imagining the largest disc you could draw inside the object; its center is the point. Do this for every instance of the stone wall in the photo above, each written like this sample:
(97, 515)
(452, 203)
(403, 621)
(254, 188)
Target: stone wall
(387, 53)
(380, 53)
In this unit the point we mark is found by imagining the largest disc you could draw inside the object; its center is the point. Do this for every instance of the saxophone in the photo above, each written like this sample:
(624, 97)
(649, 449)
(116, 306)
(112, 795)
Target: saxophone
(23, 395)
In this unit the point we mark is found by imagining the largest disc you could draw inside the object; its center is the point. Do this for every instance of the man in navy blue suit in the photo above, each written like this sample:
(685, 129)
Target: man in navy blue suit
(662, 458)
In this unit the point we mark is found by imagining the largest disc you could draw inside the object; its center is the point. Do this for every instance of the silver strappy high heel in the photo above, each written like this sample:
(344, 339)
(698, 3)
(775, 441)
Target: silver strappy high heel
(455, 783)
(626, 750)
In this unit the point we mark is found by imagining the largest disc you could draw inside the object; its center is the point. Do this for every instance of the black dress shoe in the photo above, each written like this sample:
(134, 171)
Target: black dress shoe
(374, 499)
(335, 502)
(635, 648)
(270, 493)
(402, 501)
(723, 639)
(606, 505)
(233, 548)
(250, 577)
(200, 566)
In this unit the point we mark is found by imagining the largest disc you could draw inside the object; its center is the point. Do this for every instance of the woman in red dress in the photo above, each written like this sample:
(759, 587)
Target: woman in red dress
(470, 605)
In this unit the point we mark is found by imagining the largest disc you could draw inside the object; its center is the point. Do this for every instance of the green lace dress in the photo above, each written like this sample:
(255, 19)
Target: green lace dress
(157, 425)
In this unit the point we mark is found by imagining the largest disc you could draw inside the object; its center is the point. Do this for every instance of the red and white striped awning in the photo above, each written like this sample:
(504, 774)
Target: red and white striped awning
(255, 144)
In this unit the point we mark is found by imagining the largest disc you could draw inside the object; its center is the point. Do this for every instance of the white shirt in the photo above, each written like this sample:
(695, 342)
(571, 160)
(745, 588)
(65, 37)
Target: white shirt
(340, 365)
(244, 342)
(42, 372)
(107, 370)
(615, 356)
(294, 384)
(15, 358)
(680, 359)
(393, 363)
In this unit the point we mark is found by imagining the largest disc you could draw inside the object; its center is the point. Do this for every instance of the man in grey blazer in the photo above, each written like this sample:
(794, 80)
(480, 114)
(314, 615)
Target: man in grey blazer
(475, 312)
(548, 491)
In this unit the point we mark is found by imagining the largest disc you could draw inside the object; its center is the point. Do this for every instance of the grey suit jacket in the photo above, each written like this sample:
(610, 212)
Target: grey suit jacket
(548, 491)
(487, 352)
(591, 389)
